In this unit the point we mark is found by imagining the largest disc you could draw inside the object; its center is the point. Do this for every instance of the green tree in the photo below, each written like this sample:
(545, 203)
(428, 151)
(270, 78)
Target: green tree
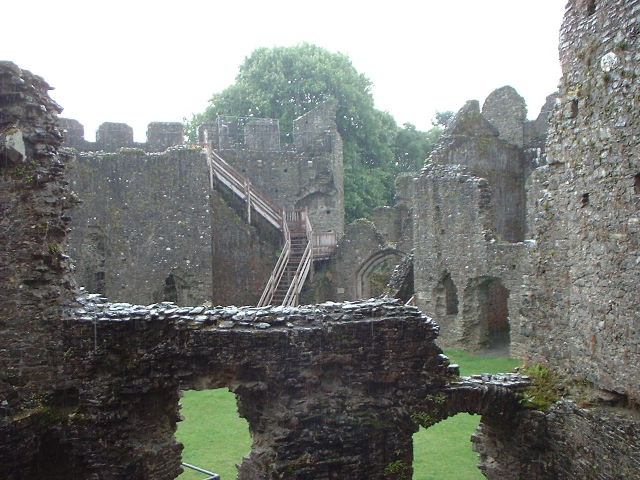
(286, 82)
(412, 147)
(441, 119)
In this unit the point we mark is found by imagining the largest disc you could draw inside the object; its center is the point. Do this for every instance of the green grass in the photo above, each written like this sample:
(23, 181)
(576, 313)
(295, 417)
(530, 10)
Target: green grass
(216, 439)
(443, 452)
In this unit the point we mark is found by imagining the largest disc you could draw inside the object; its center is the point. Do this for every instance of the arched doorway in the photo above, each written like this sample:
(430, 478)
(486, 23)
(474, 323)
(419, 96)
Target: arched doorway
(374, 274)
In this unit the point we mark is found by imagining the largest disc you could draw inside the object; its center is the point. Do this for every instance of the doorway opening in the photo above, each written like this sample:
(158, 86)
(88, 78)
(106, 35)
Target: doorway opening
(486, 315)
(214, 436)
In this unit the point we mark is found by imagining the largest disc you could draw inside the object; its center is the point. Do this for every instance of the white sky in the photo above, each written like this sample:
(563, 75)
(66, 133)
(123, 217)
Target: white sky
(140, 61)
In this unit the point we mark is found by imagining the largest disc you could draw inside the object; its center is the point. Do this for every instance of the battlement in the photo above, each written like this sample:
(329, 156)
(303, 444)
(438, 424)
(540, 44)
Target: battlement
(111, 136)
(312, 132)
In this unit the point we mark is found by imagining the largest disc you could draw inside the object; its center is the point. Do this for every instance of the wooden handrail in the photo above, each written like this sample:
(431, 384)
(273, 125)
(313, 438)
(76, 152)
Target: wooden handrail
(321, 245)
(278, 270)
(242, 187)
(293, 293)
(324, 244)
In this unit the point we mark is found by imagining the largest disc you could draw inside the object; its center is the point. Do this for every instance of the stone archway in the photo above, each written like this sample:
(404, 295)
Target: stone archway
(373, 272)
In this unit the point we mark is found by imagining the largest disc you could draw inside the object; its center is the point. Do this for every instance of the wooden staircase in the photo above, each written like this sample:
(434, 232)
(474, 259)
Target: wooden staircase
(299, 261)
(293, 265)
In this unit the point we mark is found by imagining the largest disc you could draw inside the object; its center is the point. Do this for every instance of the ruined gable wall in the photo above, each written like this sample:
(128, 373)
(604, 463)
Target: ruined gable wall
(454, 235)
(583, 307)
(580, 305)
(472, 141)
(507, 111)
(34, 272)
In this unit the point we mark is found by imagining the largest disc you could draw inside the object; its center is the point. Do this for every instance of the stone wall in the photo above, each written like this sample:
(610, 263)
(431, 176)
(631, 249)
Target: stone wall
(580, 296)
(468, 207)
(582, 292)
(90, 388)
(143, 230)
(463, 276)
(112, 136)
(359, 253)
(34, 271)
(306, 173)
(152, 223)
(566, 443)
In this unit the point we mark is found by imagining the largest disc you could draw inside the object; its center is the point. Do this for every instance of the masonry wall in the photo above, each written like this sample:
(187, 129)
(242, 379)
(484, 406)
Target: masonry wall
(568, 442)
(112, 136)
(468, 215)
(582, 306)
(456, 256)
(366, 255)
(307, 173)
(143, 230)
(580, 298)
(34, 272)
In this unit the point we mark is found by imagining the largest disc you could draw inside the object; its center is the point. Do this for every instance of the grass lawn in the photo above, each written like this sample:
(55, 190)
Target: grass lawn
(214, 436)
(216, 439)
(443, 452)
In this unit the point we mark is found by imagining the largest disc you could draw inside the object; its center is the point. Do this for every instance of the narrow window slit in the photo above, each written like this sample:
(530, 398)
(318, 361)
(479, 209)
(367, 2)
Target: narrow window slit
(585, 199)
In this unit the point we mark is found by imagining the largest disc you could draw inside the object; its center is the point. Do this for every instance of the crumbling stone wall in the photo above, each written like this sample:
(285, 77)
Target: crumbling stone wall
(567, 442)
(90, 389)
(369, 250)
(359, 252)
(582, 293)
(580, 298)
(457, 258)
(34, 271)
(468, 225)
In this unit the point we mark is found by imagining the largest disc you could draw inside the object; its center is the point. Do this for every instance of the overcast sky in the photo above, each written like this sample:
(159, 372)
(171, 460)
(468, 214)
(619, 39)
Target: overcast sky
(139, 61)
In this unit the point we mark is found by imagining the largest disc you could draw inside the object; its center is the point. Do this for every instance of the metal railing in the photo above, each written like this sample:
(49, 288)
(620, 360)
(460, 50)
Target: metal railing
(212, 476)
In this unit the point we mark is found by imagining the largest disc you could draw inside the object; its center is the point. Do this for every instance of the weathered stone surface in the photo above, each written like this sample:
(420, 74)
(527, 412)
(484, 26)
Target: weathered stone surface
(89, 389)
(34, 272)
(463, 274)
(582, 298)
(306, 173)
(153, 224)
(143, 230)
(506, 110)
(566, 443)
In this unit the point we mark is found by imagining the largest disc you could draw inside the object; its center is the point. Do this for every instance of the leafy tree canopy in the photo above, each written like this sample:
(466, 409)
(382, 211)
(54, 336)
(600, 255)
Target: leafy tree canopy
(286, 82)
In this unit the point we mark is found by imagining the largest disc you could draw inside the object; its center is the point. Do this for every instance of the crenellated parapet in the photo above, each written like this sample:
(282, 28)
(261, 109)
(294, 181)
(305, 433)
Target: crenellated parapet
(298, 170)
(111, 136)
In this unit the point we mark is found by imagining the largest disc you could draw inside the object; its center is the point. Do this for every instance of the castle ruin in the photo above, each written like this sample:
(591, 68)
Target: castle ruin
(89, 386)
